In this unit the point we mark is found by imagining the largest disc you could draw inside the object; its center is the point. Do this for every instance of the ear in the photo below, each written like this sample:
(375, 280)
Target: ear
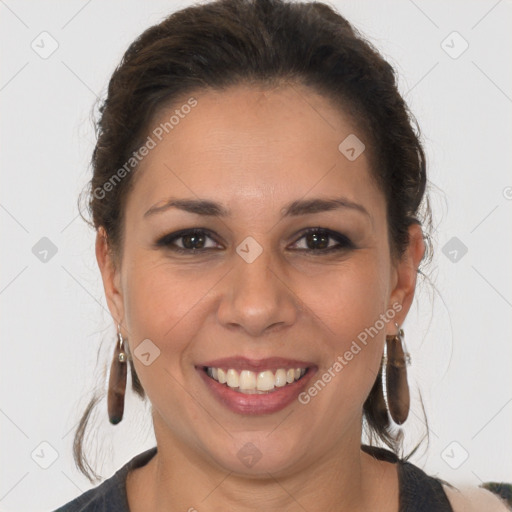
(110, 275)
(405, 272)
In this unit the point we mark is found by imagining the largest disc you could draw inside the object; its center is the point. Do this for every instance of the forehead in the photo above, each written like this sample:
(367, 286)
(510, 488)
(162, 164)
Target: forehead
(249, 148)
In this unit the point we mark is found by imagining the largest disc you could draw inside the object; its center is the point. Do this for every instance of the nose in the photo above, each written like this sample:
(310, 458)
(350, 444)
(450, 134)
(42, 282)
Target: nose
(258, 297)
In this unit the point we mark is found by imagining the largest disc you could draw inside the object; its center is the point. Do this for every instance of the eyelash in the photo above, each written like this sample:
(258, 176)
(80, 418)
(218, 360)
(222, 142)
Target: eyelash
(344, 243)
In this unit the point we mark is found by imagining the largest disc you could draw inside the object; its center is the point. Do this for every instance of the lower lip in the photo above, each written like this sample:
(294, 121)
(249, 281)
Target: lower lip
(256, 403)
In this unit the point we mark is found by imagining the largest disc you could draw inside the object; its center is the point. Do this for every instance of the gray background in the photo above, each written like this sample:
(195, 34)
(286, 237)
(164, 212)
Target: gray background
(53, 312)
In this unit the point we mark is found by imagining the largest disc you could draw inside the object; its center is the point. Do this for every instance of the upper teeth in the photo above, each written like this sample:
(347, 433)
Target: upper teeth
(247, 380)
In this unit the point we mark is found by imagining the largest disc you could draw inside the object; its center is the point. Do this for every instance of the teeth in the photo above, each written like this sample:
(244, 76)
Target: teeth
(247, 380)
(232, 378)
(250, 382)
(280, 378)
(266, 381)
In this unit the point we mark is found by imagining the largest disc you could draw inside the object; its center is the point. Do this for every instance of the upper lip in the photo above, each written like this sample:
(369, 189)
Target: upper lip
(255, 365)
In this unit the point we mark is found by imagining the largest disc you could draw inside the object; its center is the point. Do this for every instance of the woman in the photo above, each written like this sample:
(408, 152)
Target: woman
(259, 199)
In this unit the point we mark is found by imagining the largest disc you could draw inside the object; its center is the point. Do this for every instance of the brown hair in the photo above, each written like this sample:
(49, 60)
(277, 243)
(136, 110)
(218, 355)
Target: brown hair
(262, 42)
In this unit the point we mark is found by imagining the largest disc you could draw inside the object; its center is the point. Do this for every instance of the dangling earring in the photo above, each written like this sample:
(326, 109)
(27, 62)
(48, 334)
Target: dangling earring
(397, 388)
(117, 381)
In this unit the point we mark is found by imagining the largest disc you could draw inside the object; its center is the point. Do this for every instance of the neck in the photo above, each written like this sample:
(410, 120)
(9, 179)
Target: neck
(180, 478)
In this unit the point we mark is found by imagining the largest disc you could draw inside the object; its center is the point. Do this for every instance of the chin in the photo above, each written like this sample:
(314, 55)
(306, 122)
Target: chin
(259, 454)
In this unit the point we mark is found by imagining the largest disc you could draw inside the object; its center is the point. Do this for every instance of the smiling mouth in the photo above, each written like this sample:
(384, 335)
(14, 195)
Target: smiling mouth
(249, 382)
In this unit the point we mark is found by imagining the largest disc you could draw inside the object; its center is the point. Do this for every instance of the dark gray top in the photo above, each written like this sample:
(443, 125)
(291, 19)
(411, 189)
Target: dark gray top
(418, 492)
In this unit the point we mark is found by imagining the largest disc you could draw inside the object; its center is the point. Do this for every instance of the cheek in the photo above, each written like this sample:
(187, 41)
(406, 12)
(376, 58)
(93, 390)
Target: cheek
(155, 303)
(352, 310)
(158, 298)
(349, 298)
(169, 306)
(159, 307)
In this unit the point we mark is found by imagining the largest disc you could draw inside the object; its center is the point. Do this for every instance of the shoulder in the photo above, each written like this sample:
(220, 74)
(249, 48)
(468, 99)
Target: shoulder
(106, 496)
(420, 491)
(110, 494)
(474, 499)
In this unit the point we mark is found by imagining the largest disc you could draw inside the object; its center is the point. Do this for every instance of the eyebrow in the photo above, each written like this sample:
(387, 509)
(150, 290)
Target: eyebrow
(293, 209)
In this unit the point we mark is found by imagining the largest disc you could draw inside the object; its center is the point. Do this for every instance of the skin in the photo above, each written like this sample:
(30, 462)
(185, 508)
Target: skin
(253, 151)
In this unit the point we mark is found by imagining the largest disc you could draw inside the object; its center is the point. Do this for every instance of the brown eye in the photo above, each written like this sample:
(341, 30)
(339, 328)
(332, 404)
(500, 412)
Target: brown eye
(317, 240)
(193, 240)
(321, 241)
(189, 240)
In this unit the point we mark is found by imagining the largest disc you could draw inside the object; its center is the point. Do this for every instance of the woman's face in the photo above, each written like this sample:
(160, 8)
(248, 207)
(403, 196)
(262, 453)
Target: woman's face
(252, 286)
